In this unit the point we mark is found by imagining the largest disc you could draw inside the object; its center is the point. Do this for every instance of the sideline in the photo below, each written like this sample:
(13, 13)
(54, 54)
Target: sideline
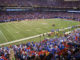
(31, 37)
(22, 39)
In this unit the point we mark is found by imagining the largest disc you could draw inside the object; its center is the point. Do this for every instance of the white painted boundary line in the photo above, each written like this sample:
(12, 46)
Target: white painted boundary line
(22, 39)
(31, 37)
(4, 36)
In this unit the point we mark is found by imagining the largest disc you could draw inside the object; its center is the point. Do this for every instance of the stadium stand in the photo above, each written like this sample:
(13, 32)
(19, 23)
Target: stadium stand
(37, 4)
(63, 48)
(47, 3)
(14, 16)
(4, 53)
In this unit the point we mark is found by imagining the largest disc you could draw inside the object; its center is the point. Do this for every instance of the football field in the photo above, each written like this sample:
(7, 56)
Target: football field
(11, 31)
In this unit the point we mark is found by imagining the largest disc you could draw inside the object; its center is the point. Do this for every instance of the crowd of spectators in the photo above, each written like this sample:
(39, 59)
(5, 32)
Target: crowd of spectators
(14, 16)
(4, 53)
(66, 47)
(40, 3)
(63, 48)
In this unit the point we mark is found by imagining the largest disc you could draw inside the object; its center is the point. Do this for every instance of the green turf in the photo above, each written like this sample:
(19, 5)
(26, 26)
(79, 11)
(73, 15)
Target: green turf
(18, 30)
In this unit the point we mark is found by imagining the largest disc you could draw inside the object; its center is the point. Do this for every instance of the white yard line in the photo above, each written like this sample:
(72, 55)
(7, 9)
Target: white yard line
(4, 36)
(30, 37)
